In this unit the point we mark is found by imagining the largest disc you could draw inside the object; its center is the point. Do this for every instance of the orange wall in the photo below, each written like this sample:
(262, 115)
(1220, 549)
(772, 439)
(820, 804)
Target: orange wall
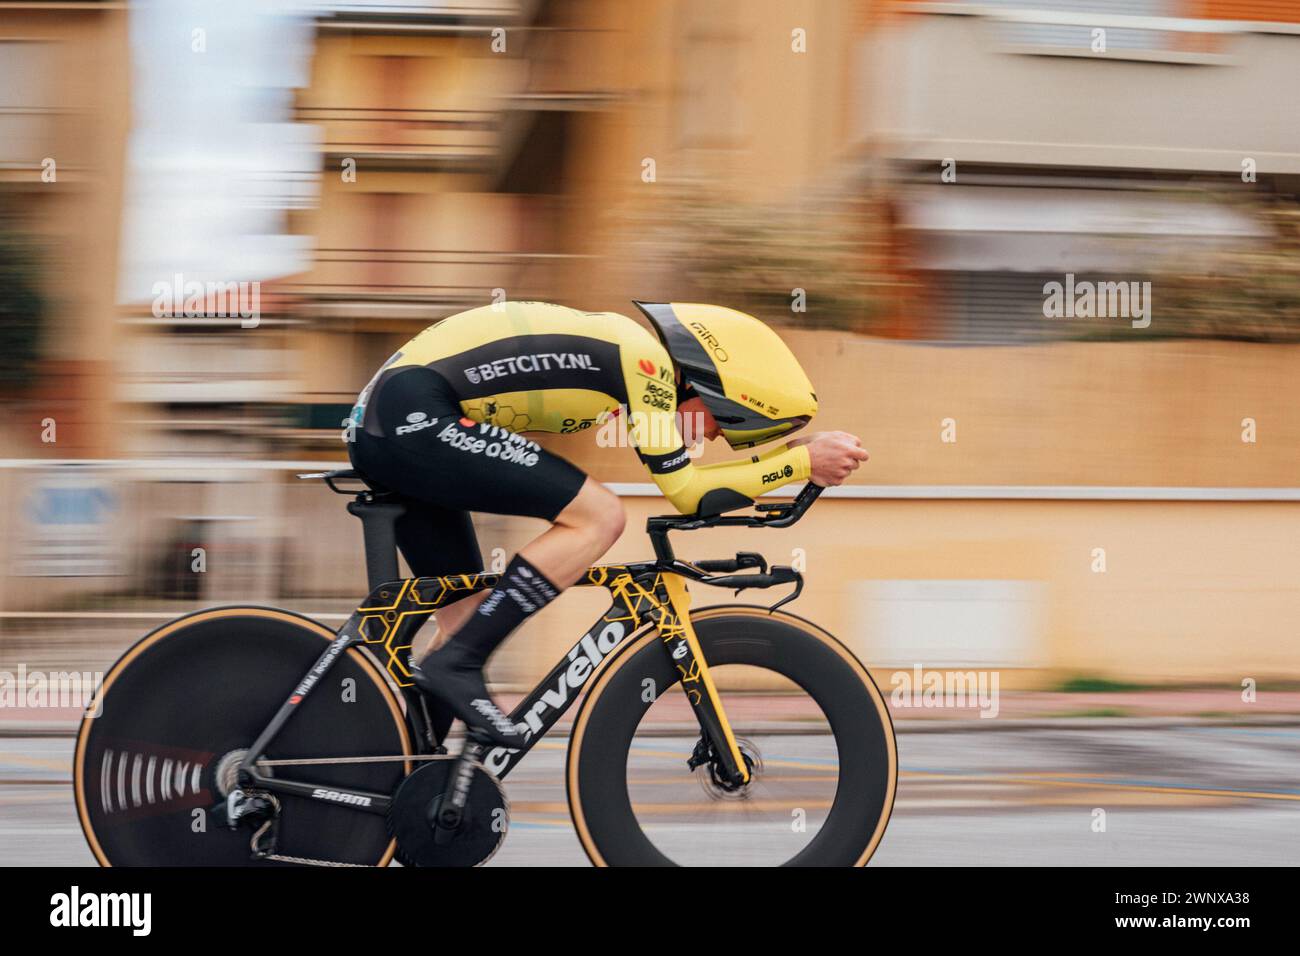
(1268, 11)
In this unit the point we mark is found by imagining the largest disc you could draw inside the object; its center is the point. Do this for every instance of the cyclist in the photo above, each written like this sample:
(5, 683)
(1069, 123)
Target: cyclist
(441, 425)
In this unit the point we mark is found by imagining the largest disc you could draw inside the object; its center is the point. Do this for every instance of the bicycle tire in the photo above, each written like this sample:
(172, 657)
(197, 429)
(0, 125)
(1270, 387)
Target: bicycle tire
(599, 746)
(203, 685)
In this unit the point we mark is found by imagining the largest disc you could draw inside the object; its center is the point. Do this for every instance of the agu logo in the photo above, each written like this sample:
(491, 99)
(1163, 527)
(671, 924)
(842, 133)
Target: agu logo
(782, 475)
(414, 422)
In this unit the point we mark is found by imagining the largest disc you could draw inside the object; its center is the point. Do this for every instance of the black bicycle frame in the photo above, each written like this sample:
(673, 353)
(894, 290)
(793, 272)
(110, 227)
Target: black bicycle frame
(385, 626)
(386, 623)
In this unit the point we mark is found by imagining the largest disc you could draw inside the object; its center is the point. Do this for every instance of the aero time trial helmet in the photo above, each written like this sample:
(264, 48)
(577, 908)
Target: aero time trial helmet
(748, 378)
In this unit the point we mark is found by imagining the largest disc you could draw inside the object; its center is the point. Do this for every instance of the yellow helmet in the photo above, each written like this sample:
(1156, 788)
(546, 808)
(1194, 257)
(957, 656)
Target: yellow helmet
(749, 379)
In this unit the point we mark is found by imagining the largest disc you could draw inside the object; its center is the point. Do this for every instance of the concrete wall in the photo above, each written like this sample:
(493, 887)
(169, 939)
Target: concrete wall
(1190, 591)
(1180, 590)
(1070, 413)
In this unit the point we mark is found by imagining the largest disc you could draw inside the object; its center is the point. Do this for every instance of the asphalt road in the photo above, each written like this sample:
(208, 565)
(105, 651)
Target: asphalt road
(1171, 796)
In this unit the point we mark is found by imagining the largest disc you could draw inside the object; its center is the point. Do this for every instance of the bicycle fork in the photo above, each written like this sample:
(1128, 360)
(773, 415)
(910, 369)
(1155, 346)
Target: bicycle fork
(671, 615)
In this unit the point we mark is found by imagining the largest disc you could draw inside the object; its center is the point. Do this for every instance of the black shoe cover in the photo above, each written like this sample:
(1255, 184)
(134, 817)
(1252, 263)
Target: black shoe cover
(460, 686)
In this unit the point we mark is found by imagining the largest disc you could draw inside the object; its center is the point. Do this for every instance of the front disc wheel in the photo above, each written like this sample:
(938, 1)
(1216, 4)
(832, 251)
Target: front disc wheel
(809, 721)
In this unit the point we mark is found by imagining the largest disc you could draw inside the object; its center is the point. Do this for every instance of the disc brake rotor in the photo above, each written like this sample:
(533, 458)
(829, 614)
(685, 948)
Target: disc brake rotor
(713, 784)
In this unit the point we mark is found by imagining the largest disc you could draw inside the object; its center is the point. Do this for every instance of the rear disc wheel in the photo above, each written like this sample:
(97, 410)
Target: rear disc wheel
(174, 714)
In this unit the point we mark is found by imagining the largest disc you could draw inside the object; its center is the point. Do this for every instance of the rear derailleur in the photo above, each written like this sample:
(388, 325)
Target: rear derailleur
(258, 809)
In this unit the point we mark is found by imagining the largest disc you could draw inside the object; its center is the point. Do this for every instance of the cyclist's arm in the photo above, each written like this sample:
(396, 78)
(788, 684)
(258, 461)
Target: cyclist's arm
(776, 450)
(652, 426)
(715, 488)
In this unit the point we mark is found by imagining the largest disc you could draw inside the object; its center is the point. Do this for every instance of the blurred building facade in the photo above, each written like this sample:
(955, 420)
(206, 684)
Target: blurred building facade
(476, 151)
(473, 150)
(1095, 137)
(64, 119)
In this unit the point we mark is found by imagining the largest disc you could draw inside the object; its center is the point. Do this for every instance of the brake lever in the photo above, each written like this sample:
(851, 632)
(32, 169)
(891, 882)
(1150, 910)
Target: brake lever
(751, 559)
(743, 559)
(798, 587)
(779, 574)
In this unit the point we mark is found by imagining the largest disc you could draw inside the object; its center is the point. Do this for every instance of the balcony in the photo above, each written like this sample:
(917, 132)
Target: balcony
(204, 369)
(571, 68)
(412, 15)
(26, 137)
(424, 139)
(1026, 88)
(420, 284)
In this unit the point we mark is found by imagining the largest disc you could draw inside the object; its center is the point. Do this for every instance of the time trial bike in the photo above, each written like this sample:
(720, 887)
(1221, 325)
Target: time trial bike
(253, 735)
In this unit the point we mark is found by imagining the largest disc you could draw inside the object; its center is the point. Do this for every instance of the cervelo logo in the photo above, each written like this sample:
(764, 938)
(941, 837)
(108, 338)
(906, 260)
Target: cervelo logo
(507, 446)
(584, 658)
(537, 362)
(339, 797)
(415, 422)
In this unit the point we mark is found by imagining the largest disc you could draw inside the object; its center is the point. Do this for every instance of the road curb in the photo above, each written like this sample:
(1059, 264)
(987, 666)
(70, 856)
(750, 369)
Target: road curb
(940, 725)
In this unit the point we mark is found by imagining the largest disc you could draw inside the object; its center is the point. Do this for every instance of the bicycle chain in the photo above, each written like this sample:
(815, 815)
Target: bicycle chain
(308, 861)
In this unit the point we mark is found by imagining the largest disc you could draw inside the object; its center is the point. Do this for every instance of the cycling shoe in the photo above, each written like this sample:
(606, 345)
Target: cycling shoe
(460, 686)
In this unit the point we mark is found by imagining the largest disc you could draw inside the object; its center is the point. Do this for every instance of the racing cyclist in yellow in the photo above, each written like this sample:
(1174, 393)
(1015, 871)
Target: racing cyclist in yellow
(441, 425)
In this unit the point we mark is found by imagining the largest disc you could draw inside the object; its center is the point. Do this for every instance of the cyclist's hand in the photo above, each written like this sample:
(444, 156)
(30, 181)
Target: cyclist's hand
(834, 456)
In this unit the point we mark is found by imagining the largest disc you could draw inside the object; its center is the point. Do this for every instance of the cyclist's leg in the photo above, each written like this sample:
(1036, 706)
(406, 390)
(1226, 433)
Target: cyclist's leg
(581, 533)
(437, 541)
(459, 464)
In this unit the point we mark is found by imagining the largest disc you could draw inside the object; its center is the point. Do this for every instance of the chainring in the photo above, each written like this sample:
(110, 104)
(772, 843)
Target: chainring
(415, 806)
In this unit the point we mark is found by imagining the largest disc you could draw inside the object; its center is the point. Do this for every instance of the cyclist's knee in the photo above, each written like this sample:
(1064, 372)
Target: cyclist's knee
(613, 519)
(596, 510)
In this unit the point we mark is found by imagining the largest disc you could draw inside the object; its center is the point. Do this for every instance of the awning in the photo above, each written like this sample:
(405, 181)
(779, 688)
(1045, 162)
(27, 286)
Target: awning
(1035, 229)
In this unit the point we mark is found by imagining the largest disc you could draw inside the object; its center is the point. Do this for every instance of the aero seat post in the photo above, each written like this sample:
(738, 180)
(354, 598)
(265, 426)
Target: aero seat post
(377, 527)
